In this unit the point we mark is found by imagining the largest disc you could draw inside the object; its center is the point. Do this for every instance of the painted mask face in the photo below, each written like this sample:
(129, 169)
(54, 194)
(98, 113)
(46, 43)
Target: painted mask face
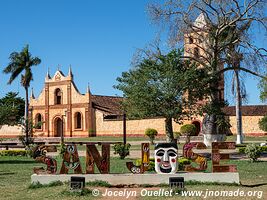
(166, 158)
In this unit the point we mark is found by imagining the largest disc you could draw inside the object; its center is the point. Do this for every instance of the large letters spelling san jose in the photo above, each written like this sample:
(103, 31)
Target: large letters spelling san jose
(166, 158)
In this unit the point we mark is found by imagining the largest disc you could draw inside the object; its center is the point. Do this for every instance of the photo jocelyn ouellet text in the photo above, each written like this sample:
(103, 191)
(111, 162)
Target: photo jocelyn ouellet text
(169, 193)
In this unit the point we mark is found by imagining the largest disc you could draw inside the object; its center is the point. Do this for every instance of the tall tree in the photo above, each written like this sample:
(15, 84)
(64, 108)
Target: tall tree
(12, 109)
(22, 63)
(163, 85)
(263, 97)
(212, 27)
(263, 89)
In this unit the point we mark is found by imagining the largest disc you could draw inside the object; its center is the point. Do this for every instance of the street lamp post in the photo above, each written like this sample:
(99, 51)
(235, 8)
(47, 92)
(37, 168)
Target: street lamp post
(62, 132)
(124, 129)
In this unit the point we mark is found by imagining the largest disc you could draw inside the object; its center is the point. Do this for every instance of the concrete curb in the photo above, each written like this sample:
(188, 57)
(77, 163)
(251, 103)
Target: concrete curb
(139, 179)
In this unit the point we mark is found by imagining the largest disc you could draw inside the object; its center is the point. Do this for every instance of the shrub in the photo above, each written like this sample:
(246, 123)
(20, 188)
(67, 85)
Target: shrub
(182, 162)
(188, 130)
(122, 150)
(177, 135)
(262, 149)
(22, 139)
(15, 153)
(151, 166)
(263, 123)
(151, 133)
(253, 152)
(241, 149)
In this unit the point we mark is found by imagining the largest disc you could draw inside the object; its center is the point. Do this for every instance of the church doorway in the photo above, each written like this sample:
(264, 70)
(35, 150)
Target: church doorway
(198, 126)
(58, 127)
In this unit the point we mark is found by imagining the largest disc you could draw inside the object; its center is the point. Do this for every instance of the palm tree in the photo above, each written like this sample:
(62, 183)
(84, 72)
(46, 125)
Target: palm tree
(22, 62)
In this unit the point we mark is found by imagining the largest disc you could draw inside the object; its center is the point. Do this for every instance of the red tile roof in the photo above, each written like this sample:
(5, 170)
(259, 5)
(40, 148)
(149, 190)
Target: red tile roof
(112, 105)
(252, 110)
(108, 104)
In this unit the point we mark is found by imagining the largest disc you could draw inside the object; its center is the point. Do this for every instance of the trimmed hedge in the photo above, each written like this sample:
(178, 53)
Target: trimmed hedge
(14, 153)
(188, 130)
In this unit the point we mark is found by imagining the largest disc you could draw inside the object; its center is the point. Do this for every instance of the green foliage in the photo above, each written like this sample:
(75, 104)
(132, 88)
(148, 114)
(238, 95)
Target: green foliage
(151, 167)
(11, 109)
(188, 130)
(22, 139)
(182, 162)
(22, 62)
(62, 149)
(241, 149)
(223, 125)
(15, 153)
(156, 86)
(253, 152)
(261, 149)
(263, 87)
(177, 135)
(19, 62)
(263, 123)
(151, 133)
(216, 117)
(122, 150)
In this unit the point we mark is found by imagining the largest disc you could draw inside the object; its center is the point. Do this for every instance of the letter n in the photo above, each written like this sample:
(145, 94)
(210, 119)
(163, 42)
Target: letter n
(93, 157)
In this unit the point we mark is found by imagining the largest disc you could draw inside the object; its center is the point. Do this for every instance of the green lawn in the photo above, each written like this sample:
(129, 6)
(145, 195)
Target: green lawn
(15, 175)
(247, 138)
(107, 139)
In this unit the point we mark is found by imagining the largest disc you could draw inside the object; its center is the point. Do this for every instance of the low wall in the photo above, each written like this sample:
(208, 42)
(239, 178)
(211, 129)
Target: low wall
(139, 179)
(133, 127)
(250, 125)
(7, 131)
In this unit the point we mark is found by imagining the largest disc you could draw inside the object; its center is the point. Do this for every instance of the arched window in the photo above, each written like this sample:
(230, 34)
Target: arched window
(191, 40)
(38, 121)
(58, 96)
(78, 120)
(196, 52)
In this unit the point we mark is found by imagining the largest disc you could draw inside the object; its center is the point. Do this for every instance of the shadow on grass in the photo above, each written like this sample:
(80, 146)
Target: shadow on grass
(255, 185)
(6, 173)
(17, 161)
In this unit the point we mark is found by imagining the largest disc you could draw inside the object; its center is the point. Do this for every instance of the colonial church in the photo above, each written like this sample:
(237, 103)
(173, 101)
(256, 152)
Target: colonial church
(62, 109)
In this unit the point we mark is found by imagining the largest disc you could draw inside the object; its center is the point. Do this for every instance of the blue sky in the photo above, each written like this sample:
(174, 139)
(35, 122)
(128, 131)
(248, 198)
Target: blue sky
(97, 38)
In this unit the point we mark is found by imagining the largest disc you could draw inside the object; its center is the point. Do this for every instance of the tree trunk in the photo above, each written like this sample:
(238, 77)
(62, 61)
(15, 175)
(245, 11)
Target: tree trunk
(27, 115)
(169, 129)
(209, 125)
(238, 104)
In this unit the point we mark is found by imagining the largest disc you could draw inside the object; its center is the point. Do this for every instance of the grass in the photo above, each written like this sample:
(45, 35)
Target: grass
(232, 138)
(15, 176)
(15, 173)
(106, 139)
